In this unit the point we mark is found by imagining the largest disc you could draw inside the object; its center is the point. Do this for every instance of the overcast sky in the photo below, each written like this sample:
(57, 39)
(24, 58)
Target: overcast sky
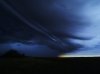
(12, 27)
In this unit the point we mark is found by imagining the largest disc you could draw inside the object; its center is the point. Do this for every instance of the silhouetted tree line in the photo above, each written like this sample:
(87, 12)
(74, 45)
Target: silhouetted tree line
(13, 53)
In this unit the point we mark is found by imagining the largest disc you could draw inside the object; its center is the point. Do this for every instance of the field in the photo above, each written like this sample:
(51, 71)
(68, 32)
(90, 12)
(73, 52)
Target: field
(31, 65)
(26, 65)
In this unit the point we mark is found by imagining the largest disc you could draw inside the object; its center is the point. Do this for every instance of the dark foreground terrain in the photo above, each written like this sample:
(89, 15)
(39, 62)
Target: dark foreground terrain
(14, 63)
(30, 65)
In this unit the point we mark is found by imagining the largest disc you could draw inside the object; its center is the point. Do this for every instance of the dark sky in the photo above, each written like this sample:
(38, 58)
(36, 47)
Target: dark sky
(14, 34)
